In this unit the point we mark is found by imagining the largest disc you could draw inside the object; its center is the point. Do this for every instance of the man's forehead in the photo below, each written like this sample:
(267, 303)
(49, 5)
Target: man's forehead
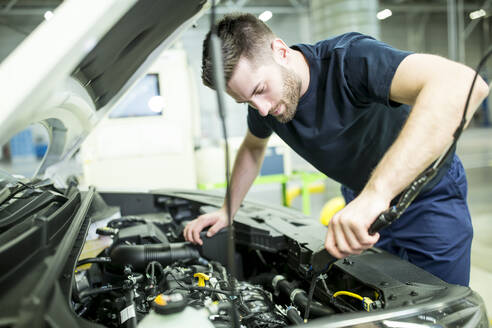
(243, 80)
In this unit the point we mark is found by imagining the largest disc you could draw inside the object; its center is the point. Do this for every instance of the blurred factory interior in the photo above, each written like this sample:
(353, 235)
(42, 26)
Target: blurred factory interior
(168, 121)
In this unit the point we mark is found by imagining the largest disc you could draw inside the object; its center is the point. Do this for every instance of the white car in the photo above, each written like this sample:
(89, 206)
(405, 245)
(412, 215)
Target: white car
(67, 75)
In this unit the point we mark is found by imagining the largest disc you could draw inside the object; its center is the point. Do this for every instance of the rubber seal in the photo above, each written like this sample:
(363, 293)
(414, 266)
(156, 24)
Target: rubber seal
(276, 280)
(294, 294)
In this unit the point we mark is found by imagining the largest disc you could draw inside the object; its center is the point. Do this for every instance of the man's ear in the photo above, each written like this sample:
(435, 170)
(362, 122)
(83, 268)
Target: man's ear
(280, 51)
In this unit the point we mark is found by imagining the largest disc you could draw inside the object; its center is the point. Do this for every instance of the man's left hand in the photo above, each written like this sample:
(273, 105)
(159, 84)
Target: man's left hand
(348, 229)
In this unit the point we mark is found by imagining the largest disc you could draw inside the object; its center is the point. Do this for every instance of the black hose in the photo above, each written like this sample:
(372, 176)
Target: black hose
(94, 291)
(294, 316)
(287, 289)
(94, 260)
(138, 256)
(301, 300)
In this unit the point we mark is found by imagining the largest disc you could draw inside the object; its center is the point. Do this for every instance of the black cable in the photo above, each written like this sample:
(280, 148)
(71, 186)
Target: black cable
(96, 291)
(413, 190)
(220, 87)
(151, 276)
(124, 222)
(458, 132)
(94, 260)
(151, 265)
(175, 279)
(21, 186)
(310, 297)
(204, 289)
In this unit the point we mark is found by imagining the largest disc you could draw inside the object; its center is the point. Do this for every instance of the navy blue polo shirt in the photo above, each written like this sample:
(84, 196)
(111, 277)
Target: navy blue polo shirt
(345, 122)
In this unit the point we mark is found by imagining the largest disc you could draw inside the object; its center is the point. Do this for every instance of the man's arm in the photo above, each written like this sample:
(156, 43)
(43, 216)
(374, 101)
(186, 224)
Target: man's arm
(436, 88)
(246, 167)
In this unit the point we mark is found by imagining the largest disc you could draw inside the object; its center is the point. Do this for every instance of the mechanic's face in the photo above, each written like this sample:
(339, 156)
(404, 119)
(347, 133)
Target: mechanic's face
(270, 88)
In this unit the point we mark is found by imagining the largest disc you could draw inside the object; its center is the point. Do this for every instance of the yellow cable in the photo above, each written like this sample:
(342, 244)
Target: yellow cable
(367, 303)
(354, 295)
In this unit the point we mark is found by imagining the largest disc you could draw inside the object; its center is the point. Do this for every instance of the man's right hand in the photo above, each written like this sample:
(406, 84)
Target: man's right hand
(217, 220)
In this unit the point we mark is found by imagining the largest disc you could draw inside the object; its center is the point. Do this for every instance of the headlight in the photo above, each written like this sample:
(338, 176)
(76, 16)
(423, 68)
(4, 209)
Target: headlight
(468, 312)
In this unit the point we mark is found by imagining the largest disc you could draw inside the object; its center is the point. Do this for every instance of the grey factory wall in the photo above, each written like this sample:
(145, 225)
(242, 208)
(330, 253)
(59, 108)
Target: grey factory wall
(334, 17)
(428, 33)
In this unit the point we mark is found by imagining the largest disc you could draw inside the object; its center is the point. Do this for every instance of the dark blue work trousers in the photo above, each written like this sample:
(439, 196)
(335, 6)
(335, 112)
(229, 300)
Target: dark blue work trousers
(435, 232)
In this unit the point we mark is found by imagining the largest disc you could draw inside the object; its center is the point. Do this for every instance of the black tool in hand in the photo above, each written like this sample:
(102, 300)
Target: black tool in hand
(384, 219)
(321, 259)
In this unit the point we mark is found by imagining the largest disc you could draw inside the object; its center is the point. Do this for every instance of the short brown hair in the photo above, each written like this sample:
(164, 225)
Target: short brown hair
(241, 35)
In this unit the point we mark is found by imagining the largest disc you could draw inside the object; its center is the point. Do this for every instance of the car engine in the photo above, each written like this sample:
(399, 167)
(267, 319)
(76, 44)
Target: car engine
(148, 261)
(146, 274)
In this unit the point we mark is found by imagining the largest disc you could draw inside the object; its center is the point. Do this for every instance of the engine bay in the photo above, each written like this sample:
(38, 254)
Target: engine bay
(147, 273)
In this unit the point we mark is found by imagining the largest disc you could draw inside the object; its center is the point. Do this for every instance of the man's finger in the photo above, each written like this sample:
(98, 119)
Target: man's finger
(185, 231)
(329, 240)
(365, 238)
(201, 223)
(340, 240)
(330, 243)
(215, 228)
(196, 234)
(189, 236)
(351, 239)
(374, 238)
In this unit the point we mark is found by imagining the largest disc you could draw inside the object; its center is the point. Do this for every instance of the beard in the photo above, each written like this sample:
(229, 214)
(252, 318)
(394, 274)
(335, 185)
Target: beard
(291, 91)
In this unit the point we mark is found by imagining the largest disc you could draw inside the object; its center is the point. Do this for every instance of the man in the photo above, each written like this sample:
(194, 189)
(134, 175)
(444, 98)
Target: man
(343, 104)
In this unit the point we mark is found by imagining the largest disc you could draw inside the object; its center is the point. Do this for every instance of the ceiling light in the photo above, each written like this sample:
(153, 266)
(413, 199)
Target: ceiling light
(383, 14)
(48, 15)
(266, 15)
(477, 14)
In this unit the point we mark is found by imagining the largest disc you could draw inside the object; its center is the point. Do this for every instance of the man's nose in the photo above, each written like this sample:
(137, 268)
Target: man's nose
(263, 107)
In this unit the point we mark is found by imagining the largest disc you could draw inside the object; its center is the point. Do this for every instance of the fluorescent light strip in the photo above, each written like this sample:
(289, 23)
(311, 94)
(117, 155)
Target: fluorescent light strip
(266, 15)
(383, 14)
(477, 14)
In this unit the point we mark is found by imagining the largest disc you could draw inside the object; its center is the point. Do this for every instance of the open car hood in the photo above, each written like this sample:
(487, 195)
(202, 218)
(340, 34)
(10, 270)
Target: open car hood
(75, 67)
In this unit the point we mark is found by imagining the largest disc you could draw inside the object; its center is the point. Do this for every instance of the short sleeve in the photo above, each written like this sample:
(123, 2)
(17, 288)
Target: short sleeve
(369, 68)
(257, 124)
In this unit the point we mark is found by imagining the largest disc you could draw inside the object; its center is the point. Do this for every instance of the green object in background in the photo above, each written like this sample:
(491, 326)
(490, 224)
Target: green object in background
(306, 179)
